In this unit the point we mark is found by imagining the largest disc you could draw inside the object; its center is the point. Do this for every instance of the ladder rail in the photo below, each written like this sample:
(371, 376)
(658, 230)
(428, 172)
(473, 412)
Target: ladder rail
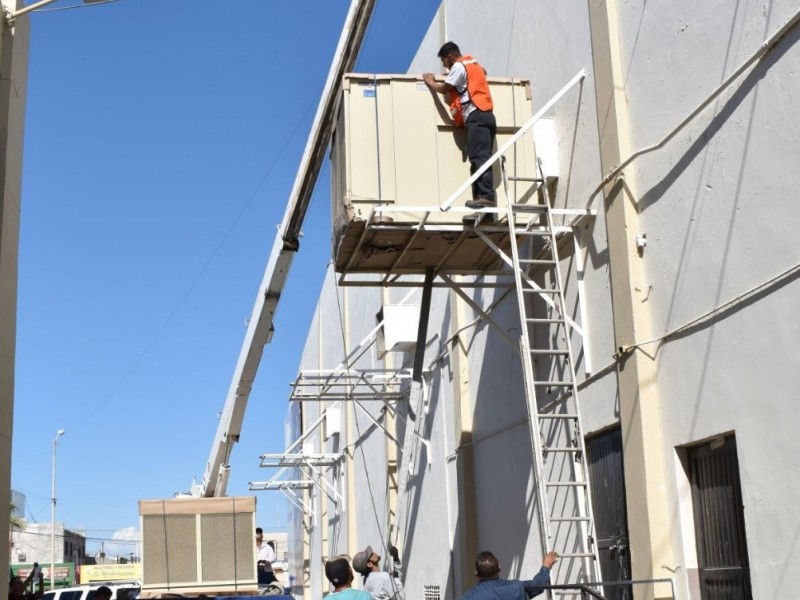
(581, 468)
(527, 367)
(562, 373)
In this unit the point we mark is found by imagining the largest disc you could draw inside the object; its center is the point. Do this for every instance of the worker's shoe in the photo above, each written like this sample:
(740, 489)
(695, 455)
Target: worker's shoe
(481, 203)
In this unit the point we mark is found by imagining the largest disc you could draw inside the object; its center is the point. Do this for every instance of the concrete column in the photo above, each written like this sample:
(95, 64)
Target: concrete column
(465, 543)
(640, 412)
(392, 455)
(13, 91)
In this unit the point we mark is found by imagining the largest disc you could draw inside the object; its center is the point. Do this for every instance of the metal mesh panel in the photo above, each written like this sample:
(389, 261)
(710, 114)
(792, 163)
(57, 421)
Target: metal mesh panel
(168, 541)
(228, 552)
(432, 592)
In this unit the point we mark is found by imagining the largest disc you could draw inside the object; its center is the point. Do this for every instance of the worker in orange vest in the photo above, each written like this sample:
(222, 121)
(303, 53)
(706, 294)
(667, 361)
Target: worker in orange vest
(470, 100)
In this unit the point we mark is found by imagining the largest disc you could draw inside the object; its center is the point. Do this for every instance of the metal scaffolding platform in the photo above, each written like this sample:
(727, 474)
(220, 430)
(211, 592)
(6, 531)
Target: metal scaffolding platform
(383, 385)
(402, 252)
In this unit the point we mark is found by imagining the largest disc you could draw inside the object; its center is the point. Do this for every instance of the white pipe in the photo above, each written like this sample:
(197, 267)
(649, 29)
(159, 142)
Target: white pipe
(762, 50)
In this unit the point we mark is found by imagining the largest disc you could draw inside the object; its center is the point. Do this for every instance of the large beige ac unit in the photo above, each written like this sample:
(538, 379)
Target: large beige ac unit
(198, 545)
(395, 146)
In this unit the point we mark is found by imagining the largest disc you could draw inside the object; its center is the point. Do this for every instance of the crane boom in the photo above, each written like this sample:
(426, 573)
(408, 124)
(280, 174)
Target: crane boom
(287, 243)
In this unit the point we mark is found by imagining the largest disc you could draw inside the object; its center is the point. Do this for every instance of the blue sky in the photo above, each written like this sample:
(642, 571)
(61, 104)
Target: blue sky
(162, 139)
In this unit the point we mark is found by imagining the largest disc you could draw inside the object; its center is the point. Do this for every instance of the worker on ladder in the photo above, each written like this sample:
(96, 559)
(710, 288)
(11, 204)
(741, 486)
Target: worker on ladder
(467, 92)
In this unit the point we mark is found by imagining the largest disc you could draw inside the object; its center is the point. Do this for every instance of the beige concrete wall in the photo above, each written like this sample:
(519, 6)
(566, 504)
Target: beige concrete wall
(13, 91)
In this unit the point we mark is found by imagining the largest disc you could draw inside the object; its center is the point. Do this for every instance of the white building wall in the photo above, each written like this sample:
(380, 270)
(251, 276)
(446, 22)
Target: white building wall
(717, 205)
(14, 43)
(34, 543)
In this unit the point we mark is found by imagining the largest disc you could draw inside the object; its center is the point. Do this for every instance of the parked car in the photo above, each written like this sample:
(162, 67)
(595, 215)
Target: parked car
(125, 590)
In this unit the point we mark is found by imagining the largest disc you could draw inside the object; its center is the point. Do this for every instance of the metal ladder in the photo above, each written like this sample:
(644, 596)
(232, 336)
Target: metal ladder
(559, 453)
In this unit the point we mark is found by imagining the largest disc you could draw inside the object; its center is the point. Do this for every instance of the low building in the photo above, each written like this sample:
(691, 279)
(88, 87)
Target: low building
(34, 544)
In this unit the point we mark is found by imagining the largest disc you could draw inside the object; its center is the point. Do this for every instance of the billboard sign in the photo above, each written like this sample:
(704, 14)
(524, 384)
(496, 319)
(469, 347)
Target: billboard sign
(126, 572)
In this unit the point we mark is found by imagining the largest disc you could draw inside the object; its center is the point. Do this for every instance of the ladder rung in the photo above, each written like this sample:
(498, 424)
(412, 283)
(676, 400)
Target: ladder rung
(561, 449)
(532, 232)
(565, 483)
(539, 320)
(529, 208)
(561, 416)
(554, 383)
(569, 519)
(528, 179)
(576, 555)
(540, 291)
(536, 261)
(546, 351)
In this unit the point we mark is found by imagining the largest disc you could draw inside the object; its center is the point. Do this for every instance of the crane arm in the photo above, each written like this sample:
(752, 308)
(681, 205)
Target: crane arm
(287, 243)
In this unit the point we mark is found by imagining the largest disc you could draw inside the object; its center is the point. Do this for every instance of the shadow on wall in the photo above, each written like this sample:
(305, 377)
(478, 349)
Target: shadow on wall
(435, 505)
(747, 89)
(746, 86)
(505, 501)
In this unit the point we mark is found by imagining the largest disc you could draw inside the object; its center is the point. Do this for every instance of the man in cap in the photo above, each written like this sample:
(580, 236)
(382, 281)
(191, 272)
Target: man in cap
(380, 584)
(339, 573)
(491, 587)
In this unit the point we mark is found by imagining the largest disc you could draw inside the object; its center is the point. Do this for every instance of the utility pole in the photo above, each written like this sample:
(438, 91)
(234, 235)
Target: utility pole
(59, 433)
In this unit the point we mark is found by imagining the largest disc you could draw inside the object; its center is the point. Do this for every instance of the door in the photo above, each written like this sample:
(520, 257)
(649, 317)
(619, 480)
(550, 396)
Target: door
(607, 480)
(719, 521)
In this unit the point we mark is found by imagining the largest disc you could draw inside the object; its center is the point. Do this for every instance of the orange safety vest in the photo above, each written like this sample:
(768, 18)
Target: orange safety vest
(477, 88)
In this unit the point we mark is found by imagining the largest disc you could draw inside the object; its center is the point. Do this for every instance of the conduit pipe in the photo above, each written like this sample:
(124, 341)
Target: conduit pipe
(765, 47)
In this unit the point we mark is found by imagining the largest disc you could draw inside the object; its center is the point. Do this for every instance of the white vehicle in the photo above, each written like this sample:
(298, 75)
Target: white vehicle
(120, 590)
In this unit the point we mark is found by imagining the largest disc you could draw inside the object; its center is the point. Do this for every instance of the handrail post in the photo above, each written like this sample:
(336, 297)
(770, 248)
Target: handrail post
(445, 206)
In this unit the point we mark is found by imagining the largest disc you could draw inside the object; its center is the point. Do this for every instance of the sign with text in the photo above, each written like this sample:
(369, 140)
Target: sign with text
(65, 572)
(126, 572)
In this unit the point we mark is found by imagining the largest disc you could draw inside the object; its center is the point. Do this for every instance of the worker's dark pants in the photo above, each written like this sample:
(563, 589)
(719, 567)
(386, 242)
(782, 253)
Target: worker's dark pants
(481, 129)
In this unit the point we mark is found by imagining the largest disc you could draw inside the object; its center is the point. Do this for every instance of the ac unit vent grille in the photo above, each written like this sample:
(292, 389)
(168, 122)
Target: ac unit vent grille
(228, 546)
(432, 592)
(169, 541)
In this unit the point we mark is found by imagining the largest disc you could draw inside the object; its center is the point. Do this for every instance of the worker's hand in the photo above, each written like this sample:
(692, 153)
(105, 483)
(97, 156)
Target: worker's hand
(429, 79)
(550, 559)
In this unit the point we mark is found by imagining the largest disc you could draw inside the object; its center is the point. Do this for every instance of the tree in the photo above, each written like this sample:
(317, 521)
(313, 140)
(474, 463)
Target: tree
(15, 522)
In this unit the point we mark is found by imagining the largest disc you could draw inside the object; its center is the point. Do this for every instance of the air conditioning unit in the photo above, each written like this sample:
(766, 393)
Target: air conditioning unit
(398, 331)
(198, 545)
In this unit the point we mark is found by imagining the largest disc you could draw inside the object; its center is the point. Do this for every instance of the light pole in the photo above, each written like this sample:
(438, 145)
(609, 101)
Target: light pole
(59, 433)
(12, 15)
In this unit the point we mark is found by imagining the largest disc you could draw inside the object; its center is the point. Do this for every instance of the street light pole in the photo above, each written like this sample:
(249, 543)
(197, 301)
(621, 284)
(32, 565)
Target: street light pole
(59, 433)
(12, 15)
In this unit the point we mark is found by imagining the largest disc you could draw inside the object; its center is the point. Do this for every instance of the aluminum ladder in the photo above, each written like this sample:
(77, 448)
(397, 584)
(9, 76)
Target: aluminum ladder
(559, 453)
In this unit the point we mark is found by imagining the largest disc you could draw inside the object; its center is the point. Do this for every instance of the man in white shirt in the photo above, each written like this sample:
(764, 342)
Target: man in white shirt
(264, 551)
(265, 556)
